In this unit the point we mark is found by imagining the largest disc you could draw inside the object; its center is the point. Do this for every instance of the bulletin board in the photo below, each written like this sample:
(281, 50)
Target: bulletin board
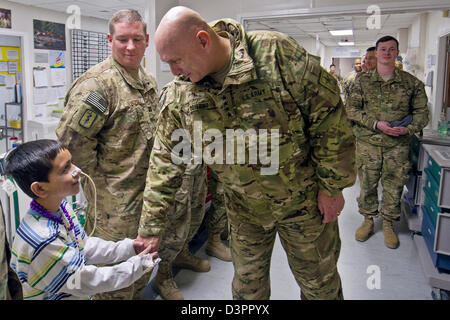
(88, 49)
(9, 75)
(9, 64)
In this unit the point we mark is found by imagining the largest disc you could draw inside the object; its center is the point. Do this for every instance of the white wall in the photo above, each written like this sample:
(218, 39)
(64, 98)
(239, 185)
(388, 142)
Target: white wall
(22, 22)
(436, 28)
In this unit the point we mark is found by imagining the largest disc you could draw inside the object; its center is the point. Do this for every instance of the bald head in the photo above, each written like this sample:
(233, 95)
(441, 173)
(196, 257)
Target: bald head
(189, 45)
(177, 24)
(357, 65)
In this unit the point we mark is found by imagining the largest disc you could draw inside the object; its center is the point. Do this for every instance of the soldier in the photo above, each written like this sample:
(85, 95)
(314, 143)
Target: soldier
(370, 60)
(185, 219)
(108, 126)
(346, 83)
(217, 222)
(377, 99)
(10, 286)
(229, 79)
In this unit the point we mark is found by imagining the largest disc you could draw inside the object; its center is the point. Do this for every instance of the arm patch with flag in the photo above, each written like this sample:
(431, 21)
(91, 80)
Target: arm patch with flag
(96, 100)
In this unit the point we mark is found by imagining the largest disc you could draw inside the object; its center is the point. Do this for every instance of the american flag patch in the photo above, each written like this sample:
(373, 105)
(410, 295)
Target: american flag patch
(95, 100)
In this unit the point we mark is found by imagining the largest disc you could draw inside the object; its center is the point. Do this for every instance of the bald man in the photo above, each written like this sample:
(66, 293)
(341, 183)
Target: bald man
(348, 80)
(230, 81)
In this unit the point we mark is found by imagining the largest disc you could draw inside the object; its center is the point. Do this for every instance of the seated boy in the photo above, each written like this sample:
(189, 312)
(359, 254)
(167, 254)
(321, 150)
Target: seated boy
(52, 255)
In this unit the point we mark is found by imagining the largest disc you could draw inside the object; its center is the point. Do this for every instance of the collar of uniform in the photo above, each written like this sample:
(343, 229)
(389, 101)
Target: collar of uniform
(138, 85)
(242, 67)
(376, 76)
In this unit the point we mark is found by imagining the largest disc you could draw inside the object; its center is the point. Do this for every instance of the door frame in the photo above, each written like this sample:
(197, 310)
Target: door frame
(26, 75)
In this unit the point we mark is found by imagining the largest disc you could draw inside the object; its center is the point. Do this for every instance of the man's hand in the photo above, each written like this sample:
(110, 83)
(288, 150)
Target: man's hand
(384, 127)
(147, 244)
(330, 207)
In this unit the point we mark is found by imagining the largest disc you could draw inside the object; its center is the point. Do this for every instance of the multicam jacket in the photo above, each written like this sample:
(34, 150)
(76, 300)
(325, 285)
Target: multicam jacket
(273, 84)
(108, 125)
(372, 99)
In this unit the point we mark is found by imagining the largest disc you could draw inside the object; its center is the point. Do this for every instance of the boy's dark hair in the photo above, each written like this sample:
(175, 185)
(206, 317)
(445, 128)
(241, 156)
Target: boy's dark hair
(332, 65)
(32, 162)
(386, 39)
(371, 49)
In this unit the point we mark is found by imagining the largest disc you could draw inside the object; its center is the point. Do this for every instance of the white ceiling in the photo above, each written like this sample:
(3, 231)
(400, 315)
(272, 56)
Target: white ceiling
(102, 9)
(298, 27)
(301, 27)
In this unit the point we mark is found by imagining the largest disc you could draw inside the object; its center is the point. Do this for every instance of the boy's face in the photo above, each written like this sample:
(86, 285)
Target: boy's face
(61, 183)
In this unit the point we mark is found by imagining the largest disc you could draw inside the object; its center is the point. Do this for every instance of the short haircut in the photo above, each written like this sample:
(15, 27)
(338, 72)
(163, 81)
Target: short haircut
(371, 49)
(386, 39)
(32, 162)
(332, 65)
(126, 16)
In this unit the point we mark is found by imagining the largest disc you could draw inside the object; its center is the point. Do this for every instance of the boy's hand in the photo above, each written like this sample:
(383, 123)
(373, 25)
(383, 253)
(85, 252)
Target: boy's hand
(150, 244)
(138, 246)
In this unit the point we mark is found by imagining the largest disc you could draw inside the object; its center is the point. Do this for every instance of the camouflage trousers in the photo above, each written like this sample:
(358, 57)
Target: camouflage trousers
(10, 286)
(116, 228)
(185, 218)
(312, 249)
(217, 215)
(391, 165)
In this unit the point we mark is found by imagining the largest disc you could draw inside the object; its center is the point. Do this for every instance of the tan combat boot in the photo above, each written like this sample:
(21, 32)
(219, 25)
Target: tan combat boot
(365, 230)
(390, 238)
(165, 285)
(216, 248)
(186, 260)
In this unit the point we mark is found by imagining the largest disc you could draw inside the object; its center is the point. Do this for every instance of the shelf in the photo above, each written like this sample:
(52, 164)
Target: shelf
(435, 278)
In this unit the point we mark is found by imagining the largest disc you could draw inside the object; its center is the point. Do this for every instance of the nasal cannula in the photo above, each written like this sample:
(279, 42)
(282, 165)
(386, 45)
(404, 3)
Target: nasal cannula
(74, 174)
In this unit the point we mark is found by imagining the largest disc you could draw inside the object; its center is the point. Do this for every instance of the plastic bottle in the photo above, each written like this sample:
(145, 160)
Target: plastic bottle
(442, 126)
(13, 142)
(16, 143)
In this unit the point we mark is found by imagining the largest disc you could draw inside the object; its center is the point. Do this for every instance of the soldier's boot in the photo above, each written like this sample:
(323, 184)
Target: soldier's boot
(165, 285)
(365, 230)
(186, 260)
(216, 248)
(390, 238)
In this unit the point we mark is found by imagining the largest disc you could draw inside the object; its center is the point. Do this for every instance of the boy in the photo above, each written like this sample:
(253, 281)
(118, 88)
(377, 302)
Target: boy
(51, 253)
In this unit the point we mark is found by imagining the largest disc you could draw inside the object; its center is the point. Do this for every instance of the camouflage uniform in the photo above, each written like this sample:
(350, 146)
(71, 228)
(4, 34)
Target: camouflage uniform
(347, 82)
(108, 126)
(186, 216)
(379, 155)
(217, 215)
(273, 84)
(10, 287)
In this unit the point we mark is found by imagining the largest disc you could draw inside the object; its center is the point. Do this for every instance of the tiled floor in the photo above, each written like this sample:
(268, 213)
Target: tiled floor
(400, 271)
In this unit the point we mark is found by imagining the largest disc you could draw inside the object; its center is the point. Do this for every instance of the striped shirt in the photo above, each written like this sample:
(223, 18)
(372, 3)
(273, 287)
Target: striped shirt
(53, 263)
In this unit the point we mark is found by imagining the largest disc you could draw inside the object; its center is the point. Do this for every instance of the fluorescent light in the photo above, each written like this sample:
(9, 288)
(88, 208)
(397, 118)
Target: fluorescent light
(348, 43)
(341, 32)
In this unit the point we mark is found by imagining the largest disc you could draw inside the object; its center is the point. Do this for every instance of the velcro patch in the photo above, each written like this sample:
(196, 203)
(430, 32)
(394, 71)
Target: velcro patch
(199, 106)
(328, 81)
(88, 119)
(96, 100)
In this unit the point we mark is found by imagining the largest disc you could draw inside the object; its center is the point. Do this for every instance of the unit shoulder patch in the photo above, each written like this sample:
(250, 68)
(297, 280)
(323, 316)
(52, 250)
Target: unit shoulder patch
(87, 119)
